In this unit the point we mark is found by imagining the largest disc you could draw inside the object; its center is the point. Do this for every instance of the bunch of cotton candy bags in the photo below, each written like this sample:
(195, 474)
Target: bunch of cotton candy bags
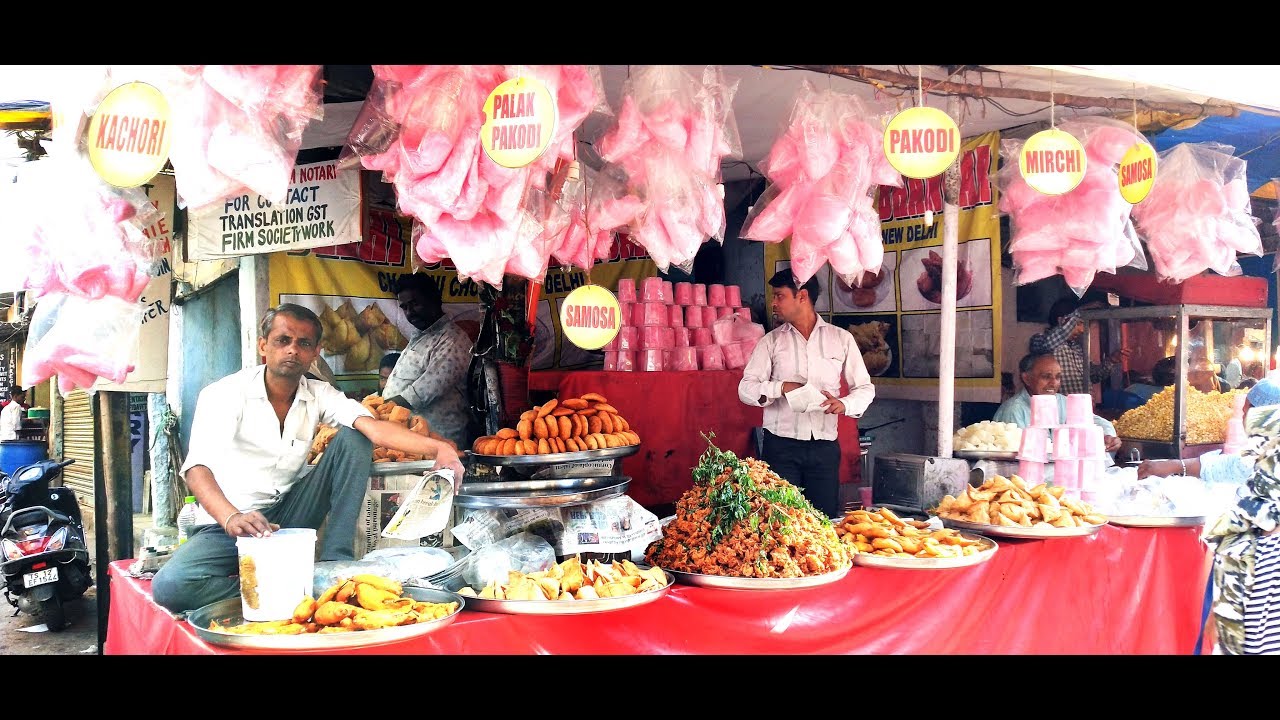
(671, 134)
(1197, 215)
(1083, 231)
(823, 171)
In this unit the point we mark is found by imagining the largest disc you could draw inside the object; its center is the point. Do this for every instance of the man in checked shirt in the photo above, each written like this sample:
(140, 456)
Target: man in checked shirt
(794, 373)
(1062, 340)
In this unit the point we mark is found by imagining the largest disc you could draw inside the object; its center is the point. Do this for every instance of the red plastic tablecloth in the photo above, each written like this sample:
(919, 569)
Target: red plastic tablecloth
(669, 410)
(1122, 591)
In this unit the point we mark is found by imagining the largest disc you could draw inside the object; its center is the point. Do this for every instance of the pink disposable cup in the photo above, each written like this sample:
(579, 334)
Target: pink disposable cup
(683, 337)
(667, 337)
(725, 312)
(651, 289)
(708, 315)
(1032, 473)
(612, 345)
(744, 313)
(626, 290)
(1067, 474)
(610, 359)
(626, 311)
(668, 293)
(626, 360)
(733, 358)
(676, 314)
(693, 316)
(1082, 438)
(683, 359)
(650, 313)
(1064, 446)
(703, 336)
(699, 294)
(684, 293)
(1034, 445)
(710, 357)
(715, 295)
(1079, 409)
(628, 338)
(1097, 441)
(723, 332)
(651, 337)
(864, 493)
(733, 296)
(1044, 411)
(651, 360)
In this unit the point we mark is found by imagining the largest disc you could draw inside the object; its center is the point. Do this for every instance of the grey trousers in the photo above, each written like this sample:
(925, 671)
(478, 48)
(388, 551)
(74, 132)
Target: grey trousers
(205, 569)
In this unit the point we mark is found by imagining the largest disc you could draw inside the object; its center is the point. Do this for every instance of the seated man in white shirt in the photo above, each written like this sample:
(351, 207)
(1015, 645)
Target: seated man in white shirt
(11, 415)
(1042, 375)
(250, 439)
(794, 373)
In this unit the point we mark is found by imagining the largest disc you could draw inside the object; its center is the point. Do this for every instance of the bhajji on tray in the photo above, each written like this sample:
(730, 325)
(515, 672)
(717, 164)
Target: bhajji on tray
(881, 532)
(1008, 502)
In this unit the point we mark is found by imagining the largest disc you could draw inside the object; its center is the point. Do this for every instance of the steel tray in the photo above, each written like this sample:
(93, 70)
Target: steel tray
(568, 607)
(987, 550)
(986, 454)
(504, 487)
(402, 468)
(552, 496)
(228, 612)
(554, 458)
(1156, 521)
(728, 582)
(1021, 532)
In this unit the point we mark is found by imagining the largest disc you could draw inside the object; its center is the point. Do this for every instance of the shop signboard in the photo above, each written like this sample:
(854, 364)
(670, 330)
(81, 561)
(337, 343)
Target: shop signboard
(921, 142)
(1137, 172)
(896, 318)
(590, 317)
(1052, 162)
(320, 209)
(129, 135)
(520, 118)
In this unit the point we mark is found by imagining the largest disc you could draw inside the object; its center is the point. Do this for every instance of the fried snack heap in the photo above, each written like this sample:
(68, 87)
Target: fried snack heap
(884, 533)
(363, 602)
(361, 338)
(585, 423)
(383, 410)
(1206, 421)
(571, 580)
(1008, 502)
(741, 520)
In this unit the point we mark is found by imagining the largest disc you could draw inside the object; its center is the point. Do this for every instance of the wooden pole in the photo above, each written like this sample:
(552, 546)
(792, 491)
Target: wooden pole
(113, 494)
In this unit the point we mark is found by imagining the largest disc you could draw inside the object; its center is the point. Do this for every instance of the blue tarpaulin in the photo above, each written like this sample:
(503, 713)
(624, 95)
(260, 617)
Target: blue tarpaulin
(1255, 137)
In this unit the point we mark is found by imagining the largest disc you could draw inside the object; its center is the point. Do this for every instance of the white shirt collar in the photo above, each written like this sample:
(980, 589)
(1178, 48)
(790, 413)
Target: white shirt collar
(258, 386)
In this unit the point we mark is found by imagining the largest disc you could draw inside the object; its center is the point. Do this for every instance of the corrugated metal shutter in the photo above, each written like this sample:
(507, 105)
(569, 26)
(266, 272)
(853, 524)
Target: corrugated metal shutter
(79, 436)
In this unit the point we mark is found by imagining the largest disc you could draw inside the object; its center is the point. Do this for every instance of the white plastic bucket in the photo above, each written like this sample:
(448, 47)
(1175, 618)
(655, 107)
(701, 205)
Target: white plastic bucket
(275, 572)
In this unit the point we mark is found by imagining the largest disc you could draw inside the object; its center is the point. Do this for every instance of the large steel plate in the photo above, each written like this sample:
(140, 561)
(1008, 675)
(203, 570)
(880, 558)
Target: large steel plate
(1156, 521)
(986, 454)
(228, 612)
(553, 458)
(728, 582)
(568, 607)
(1020, 531)
(607, 487)
(987, 551)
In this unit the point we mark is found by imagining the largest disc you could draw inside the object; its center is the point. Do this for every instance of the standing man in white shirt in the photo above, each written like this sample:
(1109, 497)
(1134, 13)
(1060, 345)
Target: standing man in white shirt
(11, 415)
(249, 441)
(794, 373)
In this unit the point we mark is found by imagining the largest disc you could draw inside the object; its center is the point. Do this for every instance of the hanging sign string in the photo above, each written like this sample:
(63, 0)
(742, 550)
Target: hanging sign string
(1052, 123)
(920, 85)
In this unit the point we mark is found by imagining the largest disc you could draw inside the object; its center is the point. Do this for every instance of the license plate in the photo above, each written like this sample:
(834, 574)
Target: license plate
(42, 577)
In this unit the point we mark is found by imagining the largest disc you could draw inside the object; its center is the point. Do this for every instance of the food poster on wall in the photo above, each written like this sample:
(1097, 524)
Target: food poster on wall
(896, 317)
(352, 288)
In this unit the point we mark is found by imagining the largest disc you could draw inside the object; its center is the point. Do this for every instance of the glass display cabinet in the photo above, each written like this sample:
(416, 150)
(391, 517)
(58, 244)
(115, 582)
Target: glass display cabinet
(1171, 393)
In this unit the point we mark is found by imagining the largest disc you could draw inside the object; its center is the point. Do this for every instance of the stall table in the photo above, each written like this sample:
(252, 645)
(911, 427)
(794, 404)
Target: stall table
(1121, 591)
(669, 410)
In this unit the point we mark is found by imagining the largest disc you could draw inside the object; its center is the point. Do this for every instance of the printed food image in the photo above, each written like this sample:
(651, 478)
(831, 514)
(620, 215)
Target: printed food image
(1207, 415)
(870, 337)
(572, 425)
(881, 532)
(572, 580)
(930, 281)
(1010, 503)
(740, 519)
(383, 410)
(363, 602)
(361, 338)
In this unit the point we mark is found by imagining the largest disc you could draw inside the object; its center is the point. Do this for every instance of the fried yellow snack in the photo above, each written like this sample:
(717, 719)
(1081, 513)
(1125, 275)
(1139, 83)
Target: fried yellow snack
(332, 612)
(346, 591)
(303, 612)
(382, 583)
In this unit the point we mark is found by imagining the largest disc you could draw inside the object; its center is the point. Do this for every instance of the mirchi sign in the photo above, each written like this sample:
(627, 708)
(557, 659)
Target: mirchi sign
(1052, 162)
(590, 317)
(129, 135)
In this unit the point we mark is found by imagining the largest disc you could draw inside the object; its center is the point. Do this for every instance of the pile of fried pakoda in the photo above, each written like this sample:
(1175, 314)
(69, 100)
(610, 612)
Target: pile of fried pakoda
(383, 410)
(571, 425)
(883, 533)
(1008, 502)
(364, 602)
(776, 533)
(360, 338)
(571, 580)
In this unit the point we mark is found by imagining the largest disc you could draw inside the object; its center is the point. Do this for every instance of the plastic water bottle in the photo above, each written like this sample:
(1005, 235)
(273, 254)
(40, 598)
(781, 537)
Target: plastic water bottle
(186, 518)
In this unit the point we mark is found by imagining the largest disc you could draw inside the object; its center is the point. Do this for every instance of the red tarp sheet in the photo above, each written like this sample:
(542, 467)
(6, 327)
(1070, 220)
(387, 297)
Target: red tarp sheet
(1122, 591)
(669, 410)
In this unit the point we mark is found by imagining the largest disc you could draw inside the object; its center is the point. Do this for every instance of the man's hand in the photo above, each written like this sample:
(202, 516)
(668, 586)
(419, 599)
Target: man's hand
(399, 400)
(1112, 443)
(1159, 468)
(447, 458)
(1116, 356)
(832, 405)
(249, 524)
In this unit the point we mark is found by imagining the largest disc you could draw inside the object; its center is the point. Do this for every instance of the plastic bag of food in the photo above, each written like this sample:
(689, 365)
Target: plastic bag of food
(524, 552)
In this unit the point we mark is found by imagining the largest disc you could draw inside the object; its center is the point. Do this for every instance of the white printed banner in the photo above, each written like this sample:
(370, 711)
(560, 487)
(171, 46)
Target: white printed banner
(321, 209)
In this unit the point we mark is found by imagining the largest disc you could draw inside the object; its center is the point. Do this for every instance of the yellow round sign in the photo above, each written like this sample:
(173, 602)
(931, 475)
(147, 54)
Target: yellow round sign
(1137, 172)
(590, 317)
(921, 142)
(1052, 162)
(520, 117)
(128, 135)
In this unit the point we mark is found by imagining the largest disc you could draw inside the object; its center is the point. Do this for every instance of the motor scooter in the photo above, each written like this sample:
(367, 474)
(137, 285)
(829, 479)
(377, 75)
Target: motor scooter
(46, 559)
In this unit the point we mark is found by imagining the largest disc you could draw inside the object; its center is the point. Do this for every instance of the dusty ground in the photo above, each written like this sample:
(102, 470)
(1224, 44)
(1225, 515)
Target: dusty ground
(79, 637)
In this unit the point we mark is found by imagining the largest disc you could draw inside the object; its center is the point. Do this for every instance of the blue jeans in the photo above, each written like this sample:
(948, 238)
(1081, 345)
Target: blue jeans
(205, 569)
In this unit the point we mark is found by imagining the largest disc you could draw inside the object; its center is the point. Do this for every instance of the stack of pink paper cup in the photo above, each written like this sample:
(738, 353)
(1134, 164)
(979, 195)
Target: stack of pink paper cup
(715, 295)
(677, 315)
(1064, 443)
(683, 359)
(1044, 411)
(626, 290)
(703, 336)
(1031, 472)
(744, 313)
(626, 360)
(693, 316)
(699, 294)
(651, 290)
(683, 337)
(733, 296)
(1034, 446)
(684, 293)
(651, 360)
(668, 292)
(710, 357)
(1079, 409)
